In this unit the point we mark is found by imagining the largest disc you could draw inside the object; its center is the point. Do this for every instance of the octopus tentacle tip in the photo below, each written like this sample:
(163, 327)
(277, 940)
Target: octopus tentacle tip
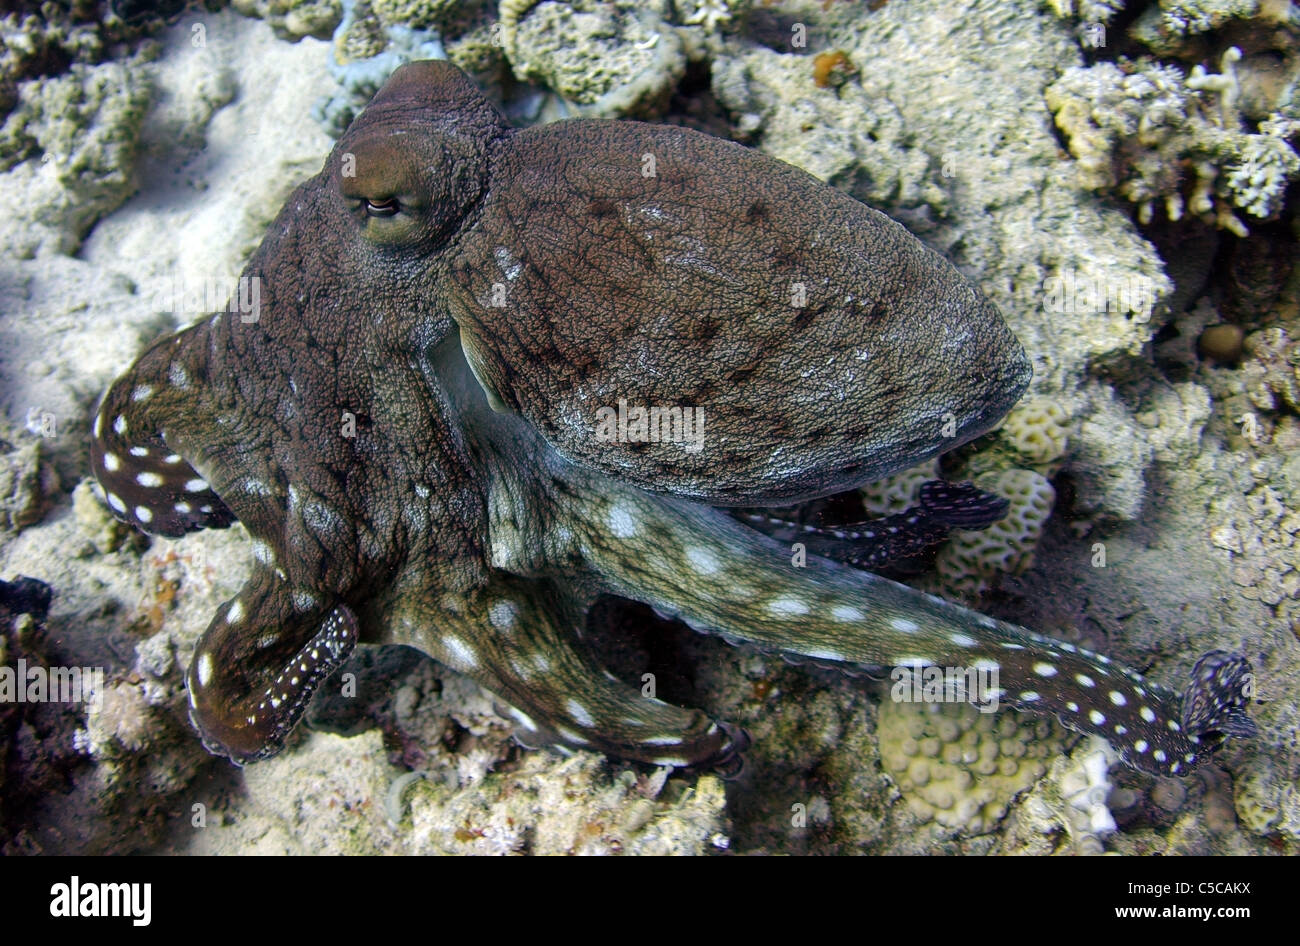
(1214, 704)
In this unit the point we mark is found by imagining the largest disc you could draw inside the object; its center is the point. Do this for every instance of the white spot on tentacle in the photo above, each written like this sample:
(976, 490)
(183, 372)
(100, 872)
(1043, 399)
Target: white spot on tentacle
(912, 661)
(662, 741)
(702, 560)
(204, 669)
(522, 718)
(144, 514)
(823, 654)
(503, 615)
(787, 607)
(622, 521)
(151, 480)
(321, 519)
(253, 487)
(460, 654)
(579, 714)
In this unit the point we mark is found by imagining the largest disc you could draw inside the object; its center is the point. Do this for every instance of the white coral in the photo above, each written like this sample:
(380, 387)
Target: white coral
(709, 14)
(1257, 181)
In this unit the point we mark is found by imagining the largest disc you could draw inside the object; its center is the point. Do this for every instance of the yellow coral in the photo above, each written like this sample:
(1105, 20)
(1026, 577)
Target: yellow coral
(961, 767)
(1037, 429)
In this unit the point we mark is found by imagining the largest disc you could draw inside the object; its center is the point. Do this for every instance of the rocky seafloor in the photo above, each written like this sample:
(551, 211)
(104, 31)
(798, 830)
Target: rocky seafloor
(1118, 180)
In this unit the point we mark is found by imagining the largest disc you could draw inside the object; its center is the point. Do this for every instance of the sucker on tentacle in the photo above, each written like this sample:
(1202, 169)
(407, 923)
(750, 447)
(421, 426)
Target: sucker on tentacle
(246, 717)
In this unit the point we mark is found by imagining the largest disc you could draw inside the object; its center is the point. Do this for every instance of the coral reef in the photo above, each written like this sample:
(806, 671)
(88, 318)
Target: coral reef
(1166, 26)
(539, 806)
(1073, 800)
(1038, 431)
(533, 810)
(28, 484)
(1088, 11)
(1180, 470)
(366, 51)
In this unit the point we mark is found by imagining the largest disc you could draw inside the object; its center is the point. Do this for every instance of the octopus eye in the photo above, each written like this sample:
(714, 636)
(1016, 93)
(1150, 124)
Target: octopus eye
(382, 208)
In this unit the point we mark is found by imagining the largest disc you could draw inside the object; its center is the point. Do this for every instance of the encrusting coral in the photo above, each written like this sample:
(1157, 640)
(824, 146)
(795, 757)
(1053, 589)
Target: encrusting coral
(959, 767)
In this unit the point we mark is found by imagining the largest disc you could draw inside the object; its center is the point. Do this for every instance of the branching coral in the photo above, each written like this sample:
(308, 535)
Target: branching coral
(1167, 25)
(1149, 133)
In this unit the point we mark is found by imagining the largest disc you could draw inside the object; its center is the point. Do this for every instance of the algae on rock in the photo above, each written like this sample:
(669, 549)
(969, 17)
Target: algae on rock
(70, 147)
(604, 59)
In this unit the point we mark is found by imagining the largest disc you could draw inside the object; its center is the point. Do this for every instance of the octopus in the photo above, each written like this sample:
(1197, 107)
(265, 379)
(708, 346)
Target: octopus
(456, 413)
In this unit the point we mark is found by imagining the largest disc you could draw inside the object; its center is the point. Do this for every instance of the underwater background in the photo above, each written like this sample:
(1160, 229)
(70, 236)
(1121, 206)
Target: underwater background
(1117, 178)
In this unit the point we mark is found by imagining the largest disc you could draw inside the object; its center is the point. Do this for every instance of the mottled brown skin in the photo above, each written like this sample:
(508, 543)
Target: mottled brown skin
(388, 504)
(684, 295)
